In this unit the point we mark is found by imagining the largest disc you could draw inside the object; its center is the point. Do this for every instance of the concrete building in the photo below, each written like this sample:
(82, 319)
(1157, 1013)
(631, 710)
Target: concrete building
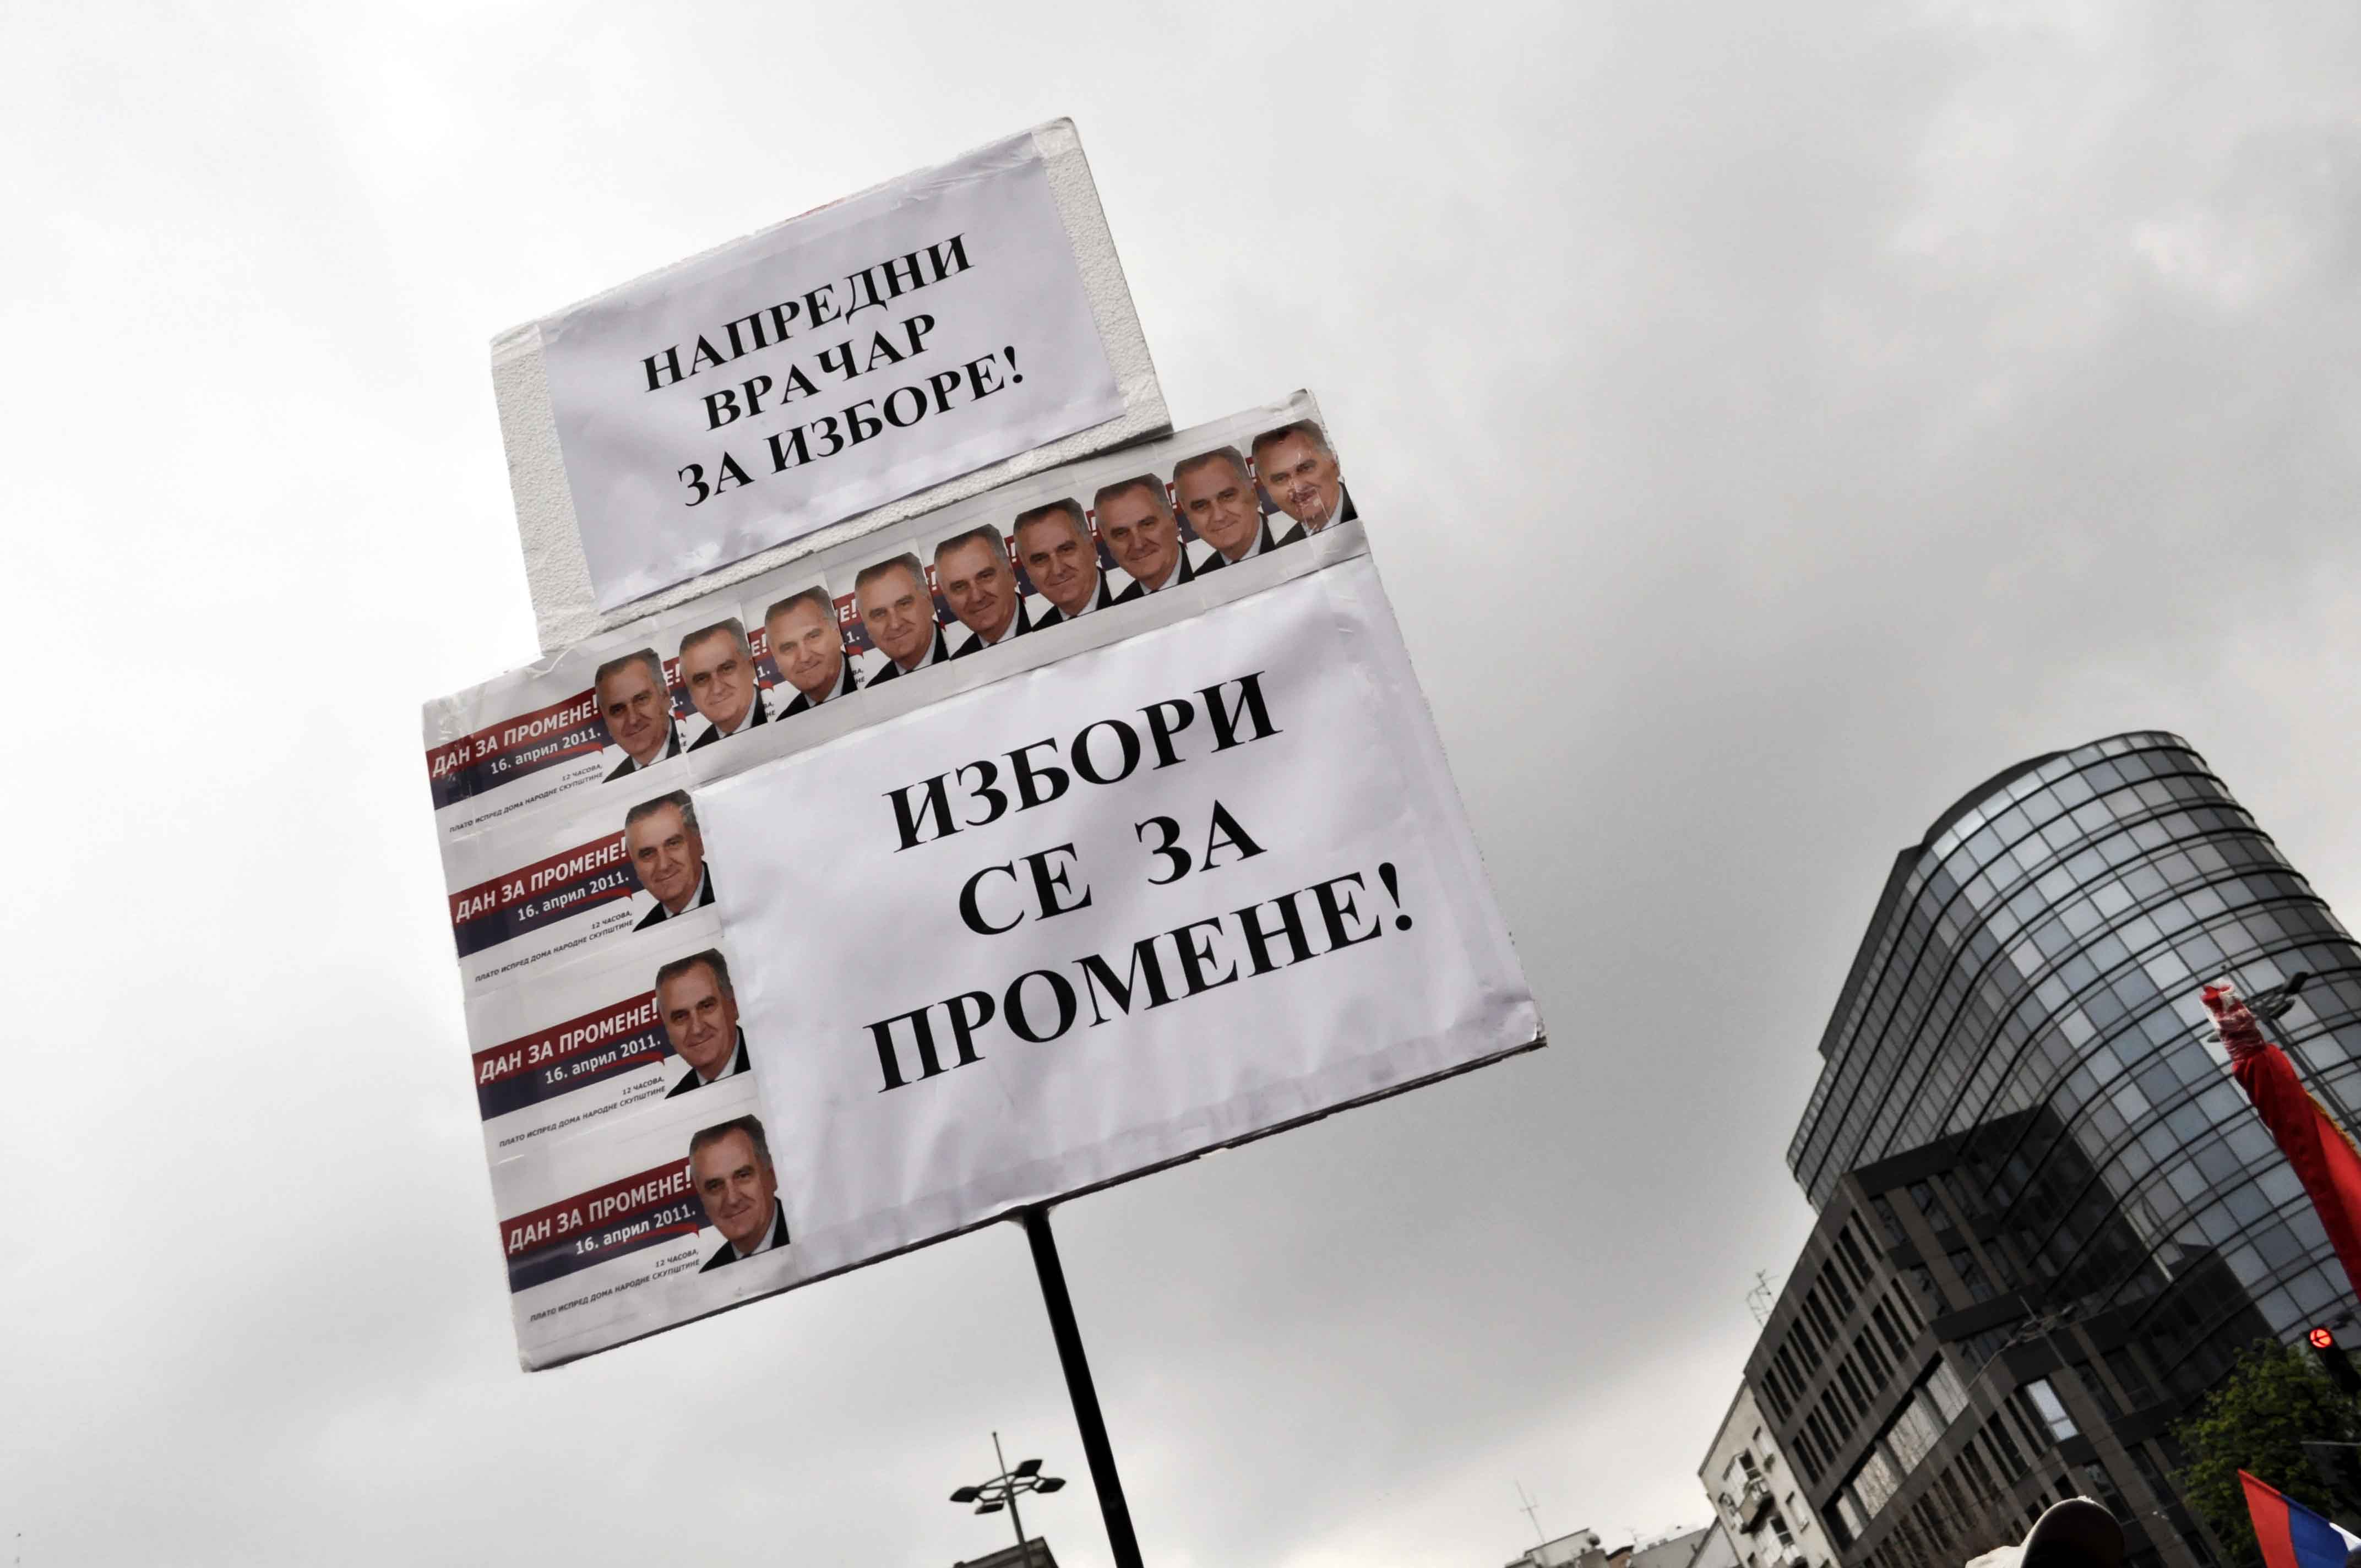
(2047, 1217)
(1767, 1517)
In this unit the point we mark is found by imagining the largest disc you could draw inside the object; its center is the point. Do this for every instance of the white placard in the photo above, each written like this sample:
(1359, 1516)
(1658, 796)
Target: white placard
(1269, 909)
(864, 352)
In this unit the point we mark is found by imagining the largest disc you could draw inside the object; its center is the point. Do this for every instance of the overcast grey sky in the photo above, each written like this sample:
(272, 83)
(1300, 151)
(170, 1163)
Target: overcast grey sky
(1769, 429)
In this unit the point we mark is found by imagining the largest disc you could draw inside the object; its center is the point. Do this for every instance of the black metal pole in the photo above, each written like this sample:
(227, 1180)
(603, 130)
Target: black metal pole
(1085, 1397)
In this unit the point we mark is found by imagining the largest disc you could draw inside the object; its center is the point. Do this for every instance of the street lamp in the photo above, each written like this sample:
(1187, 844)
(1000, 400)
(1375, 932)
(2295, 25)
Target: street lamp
(1003, 1490)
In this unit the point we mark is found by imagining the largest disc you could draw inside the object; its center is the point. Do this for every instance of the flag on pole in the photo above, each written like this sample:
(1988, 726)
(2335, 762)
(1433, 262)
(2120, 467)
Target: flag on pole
(2291, 1535)
(2320, 1151)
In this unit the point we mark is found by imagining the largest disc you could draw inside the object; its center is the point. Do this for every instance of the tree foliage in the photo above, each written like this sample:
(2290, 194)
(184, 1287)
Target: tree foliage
(2275, 1400)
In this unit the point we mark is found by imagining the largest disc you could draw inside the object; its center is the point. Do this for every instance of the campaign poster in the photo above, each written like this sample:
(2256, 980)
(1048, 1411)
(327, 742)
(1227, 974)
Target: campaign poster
(643, 1222)
(891, 617)
(556, 884)
(797, 635)
(867, 350)
(593, 715)
(982, 601)
(649, 1020)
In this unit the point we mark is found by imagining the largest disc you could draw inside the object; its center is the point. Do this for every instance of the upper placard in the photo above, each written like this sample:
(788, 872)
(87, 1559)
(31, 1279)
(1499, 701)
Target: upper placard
(869, 351)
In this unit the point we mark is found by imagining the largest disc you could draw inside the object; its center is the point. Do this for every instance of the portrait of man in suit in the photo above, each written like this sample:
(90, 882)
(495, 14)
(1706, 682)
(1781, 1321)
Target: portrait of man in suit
(637, 710)
(1299, 471)
(699, 1012)
(1055, 546)
(898, 612)
(807, 647)
(729, 1167)
(1219, 499)
(1137, 522)
(667, 854)
(718, 668)
(972, 571)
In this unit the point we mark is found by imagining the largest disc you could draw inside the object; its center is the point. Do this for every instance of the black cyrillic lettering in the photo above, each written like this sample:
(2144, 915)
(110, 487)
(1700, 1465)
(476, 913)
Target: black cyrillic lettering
(1012, 1009)
(1258, 936)
(1054, 776)
(788, 441)
(1336, 909)
(1250, 705)
(1195, 956)
(863, 287)
(974, 915)
(983, 789)
(663, 369)
(864, 425)
(944, 383)
(715, 402)
(1161, 730)
(1098, 973)
(1050, 881)
(940, 257)
(1226, 833)
(918, 407)
(839, 359)
(915, 330)
(1170, 831)
(902, 275)
(882, 348)
(813, 302)
(910, 818)
(963, 1026)
(1127, 748)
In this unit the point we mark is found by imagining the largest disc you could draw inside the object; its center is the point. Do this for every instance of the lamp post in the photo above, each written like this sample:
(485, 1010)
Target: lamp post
(1003, 1490)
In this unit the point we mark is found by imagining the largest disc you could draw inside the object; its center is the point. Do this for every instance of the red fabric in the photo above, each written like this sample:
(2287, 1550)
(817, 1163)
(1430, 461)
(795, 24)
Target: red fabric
(2269, 1512)
(2323, 1155)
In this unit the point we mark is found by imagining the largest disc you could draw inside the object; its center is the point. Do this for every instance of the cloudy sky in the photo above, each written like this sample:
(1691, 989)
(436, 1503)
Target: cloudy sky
(1769, 430)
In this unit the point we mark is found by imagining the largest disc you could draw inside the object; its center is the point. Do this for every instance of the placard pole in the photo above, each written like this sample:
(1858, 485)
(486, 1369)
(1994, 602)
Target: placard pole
(1069, 1335)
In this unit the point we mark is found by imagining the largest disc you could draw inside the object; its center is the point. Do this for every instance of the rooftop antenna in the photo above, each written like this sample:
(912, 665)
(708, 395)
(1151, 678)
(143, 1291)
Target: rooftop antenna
(1758, 1300)
(1531, 1510)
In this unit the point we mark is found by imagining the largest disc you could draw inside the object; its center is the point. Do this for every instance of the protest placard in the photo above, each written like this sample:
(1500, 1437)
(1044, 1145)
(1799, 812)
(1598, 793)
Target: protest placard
(1140, 851)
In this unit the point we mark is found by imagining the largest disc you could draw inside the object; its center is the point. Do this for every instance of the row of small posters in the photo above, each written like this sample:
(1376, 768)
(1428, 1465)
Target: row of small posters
(865, 901)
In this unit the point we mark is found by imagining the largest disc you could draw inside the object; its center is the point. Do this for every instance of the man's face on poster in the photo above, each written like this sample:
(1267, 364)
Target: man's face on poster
(1061, 561)
(807, 647)
(899, 614)
(978, 584)
(668, 855)
(737, 1188)
(1220, 505)
(720, 678)
(638, 710)
(699, 1018)
(1302, 479)
(1143, 537)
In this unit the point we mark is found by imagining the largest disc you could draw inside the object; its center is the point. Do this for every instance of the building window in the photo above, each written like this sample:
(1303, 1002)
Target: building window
(2053, 1409)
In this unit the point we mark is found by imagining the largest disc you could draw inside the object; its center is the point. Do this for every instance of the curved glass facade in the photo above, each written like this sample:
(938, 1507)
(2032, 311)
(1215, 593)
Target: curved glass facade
(2042, 951)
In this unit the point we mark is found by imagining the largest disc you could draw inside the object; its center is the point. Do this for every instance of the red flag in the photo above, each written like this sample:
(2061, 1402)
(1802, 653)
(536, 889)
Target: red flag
(2291, 1535)
(2320, 1151)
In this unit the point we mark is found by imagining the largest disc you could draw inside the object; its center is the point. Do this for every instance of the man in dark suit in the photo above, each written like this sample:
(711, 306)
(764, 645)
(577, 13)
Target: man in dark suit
(807, 647)
(1298, 470)
(729, 1167)
(977, 581)
(718, 668)
(637, 709)
(897, 610)
(668, 853)
(1055, 547)
(1219, 499)
(1136, 521)
(698, 1010)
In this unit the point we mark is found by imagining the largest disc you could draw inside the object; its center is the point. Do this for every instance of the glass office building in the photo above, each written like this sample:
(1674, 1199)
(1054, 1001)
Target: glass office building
(2050, 1210)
